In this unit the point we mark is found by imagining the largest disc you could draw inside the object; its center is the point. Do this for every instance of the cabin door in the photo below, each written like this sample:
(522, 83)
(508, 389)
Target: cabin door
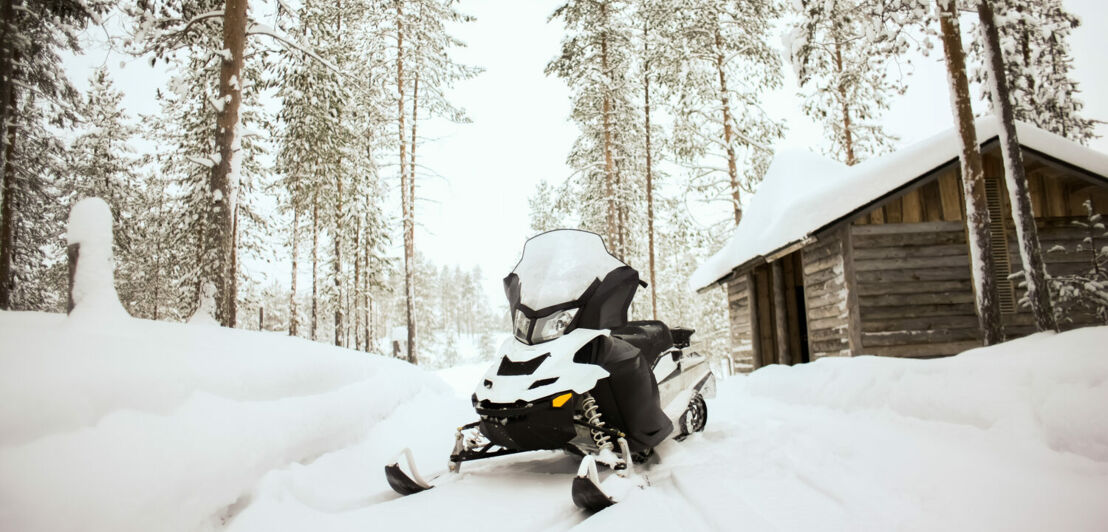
(780, 326)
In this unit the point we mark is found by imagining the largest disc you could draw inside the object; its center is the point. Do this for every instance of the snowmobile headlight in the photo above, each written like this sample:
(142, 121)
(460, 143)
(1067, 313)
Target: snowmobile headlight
(521, 325)
(554, 325)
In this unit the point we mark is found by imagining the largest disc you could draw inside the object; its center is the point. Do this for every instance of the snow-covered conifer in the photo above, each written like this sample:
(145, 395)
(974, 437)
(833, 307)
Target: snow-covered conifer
(1034, 35)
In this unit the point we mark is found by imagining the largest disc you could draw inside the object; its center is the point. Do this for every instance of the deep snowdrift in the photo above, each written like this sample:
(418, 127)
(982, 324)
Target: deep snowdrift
(155, 426)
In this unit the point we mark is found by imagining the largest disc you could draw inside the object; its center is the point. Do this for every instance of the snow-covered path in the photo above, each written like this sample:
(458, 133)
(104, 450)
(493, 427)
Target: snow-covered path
(167, 427)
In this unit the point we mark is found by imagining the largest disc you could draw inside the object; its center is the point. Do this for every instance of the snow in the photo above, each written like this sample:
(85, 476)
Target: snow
(802, 193)
(94, 298)
(159, 426)
(558, 266)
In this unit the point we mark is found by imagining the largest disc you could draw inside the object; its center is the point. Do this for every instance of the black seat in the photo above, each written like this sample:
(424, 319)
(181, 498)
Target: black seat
(650, 337)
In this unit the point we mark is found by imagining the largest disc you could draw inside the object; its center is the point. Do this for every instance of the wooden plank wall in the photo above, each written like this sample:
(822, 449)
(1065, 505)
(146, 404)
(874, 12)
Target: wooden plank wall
(1057, 201)
(826, 297)
(739, 311)
(914, 289)
(938, 200)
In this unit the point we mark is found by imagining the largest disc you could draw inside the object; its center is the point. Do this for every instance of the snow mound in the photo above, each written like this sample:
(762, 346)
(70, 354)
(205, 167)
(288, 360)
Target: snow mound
(95, 302)
(157, 426)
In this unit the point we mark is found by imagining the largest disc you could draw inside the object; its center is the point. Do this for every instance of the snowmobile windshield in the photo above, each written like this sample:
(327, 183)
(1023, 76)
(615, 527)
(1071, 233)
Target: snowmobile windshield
(557, 267)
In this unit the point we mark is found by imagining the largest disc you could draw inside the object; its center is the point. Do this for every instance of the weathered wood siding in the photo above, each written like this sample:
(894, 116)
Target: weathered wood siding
(742, 336)
(1057, 200)
(826, 297)
(914, 288)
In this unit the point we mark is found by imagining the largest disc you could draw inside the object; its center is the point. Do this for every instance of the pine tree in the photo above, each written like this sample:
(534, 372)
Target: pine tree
(973, 179)
(1035, 37)
(104, 164)
(596, 62)
(1034, 270)
(34, 91)
(721, 126)
(842, 54)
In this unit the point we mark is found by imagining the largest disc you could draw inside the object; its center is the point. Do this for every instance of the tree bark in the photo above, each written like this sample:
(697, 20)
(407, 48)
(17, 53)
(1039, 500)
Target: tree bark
(973, 182)
(848, 135)
(358, 285)
(221, 239)
(337, 267)
(315, 265)
(649, 173)
(405, 193)
(7, 211)
(8, 99)
(725, 104)
(294, 322)
(609, 163)
(1027, 235)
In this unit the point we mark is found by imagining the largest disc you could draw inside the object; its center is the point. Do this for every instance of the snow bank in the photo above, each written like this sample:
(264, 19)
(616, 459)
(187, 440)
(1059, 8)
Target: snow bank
(158, 426)
(155, 426)
(803, 192)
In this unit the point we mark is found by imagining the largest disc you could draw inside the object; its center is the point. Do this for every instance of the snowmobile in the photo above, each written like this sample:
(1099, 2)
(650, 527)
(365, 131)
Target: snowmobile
(578, 376)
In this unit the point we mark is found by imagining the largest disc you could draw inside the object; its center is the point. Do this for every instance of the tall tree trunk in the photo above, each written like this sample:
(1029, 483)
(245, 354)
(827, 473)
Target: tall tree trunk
(8, 98)
(725, 104)
(848, 134)
(315, 265)
(221, 185)
(973, 182)
(405, 188)
(649, 173)
(7, 210)
(365, 282)
(337, 269)
(1027, 235)
(294, 321)
(609, 163)
(357, 291)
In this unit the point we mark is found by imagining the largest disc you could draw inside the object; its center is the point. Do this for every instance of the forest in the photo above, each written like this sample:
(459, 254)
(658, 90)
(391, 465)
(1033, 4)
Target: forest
(289, 135)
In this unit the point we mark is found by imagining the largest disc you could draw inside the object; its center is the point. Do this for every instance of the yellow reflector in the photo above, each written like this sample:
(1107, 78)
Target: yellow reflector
(561, 400)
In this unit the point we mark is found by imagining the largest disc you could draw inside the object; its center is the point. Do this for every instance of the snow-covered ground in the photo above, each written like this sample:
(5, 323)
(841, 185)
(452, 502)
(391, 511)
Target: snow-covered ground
(138, 425)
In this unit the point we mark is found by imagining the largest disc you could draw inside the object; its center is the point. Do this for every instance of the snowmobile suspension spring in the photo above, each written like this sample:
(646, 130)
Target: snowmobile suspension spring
(592, 415)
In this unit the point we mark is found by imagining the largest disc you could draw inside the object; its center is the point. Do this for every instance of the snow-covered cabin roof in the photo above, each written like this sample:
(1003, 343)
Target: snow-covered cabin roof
(803, 193)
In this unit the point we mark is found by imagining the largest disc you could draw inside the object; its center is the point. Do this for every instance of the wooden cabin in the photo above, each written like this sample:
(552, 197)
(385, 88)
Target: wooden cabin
(872, 259)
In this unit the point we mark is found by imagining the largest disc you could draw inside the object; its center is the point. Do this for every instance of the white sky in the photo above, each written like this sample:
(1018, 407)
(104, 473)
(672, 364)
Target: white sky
(477, 212)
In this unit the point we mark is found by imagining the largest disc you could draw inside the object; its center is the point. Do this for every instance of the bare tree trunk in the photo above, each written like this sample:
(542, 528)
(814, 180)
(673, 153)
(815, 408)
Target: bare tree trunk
(725, 104)
(973, 182)
(7, 211)
(1027, 235)
(221, 238)
(649, 174)
(315, 265)
(7, 142)
(848, 135)
(337, 269)
(609, 163)
(358, 284)
(294, 321)
(405, 192)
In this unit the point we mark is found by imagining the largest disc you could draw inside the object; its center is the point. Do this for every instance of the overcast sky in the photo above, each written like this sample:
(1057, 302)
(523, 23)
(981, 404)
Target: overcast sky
(476, 213)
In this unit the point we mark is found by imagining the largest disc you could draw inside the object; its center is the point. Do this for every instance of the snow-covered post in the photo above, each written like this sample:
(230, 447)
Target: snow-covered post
(91, 267)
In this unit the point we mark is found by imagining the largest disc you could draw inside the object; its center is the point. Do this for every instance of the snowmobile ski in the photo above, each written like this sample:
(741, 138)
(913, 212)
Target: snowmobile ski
(587, 493)
(400, 481)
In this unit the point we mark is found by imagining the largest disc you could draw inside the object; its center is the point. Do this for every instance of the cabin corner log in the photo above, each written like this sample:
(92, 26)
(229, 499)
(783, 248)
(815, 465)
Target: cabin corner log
(780, 318)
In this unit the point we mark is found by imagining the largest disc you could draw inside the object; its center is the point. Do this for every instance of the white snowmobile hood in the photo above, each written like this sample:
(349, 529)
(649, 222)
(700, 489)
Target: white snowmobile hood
(571, 376)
